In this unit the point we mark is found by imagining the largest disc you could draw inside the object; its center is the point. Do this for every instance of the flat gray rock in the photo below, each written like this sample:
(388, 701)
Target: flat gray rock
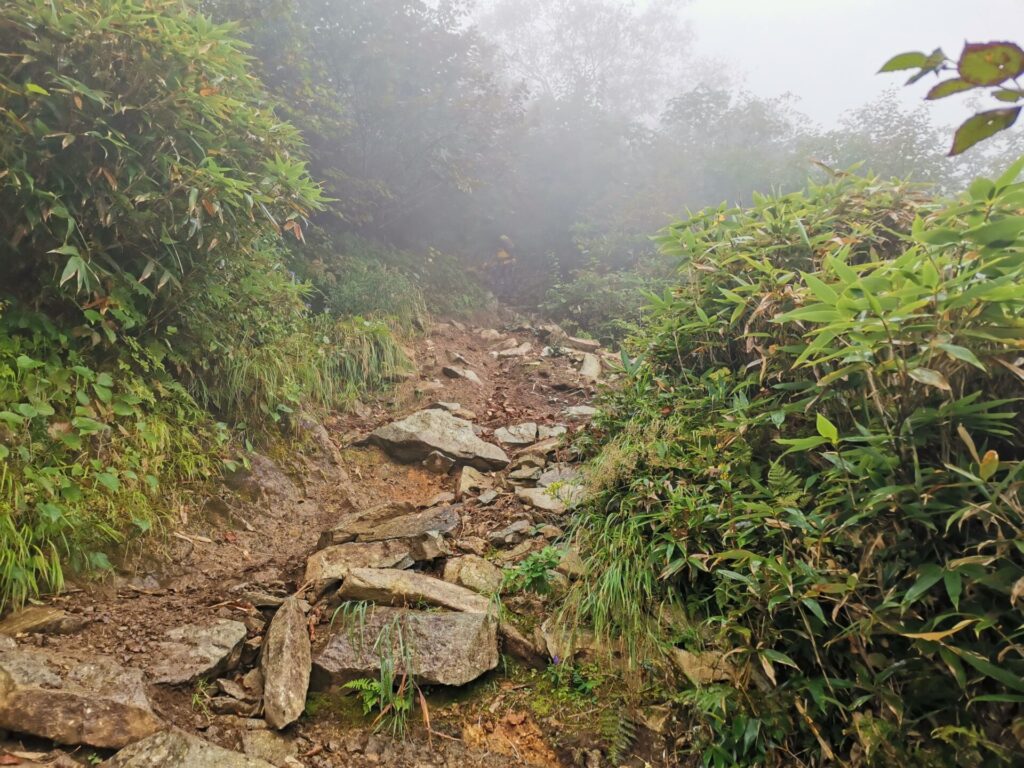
(332, 563)
(546, 433)
(521, 351)
(540, 498)
(73, 699)
(442, 648)
(177, 749)
(285, 662)
(511, 534)
(192, 651)
(558, 474)
(580, 412)
(273, 747)
(517, 434)
(415, 437)
(394, 587)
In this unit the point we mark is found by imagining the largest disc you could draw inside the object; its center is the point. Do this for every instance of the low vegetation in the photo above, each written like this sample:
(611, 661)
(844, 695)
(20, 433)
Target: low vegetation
(814, 467)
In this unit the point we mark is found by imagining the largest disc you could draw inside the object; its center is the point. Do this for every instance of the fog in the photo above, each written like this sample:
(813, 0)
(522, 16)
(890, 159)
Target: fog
(827, 52)
(539, 141)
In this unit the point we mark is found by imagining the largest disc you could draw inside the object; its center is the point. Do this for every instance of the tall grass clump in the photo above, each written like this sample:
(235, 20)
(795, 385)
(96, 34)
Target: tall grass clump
(814, 466)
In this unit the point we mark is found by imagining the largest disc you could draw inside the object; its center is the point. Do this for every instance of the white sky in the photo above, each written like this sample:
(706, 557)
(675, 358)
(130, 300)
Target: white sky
(826, 52)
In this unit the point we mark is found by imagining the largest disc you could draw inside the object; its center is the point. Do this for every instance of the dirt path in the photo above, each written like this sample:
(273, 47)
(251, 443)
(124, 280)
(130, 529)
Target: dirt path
(238, 550)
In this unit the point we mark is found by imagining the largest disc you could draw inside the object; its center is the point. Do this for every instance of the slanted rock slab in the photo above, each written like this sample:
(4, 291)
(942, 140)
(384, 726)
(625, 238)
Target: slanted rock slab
(581, 412)
(470, 480)
(415, 437)
(444, 648)
(332, 563)
(439, 519)
(193, 651)
(393, 587)
(73, 698)
(583, 345)
(177, 749)
(43, 619)
(348, 526)
(285, 662)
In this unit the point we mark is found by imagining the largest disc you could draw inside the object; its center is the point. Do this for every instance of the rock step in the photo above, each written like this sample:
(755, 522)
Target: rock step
(444, 648)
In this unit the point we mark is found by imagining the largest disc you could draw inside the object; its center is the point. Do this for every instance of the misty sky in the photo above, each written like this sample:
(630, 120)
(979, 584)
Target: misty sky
(827, 51)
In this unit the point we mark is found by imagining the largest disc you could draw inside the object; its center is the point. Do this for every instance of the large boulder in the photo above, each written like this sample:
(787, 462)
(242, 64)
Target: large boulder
(285, 662)
(395, 587)
(333, 563)
(192, 651)
(73, 699)
(177, 749)
(442, 648)
(415, 437)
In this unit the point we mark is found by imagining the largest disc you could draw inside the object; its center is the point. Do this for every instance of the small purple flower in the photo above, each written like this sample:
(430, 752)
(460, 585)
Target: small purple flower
(555, 660)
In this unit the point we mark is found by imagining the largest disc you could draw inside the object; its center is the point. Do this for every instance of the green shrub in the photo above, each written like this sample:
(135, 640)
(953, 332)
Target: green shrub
(84, 449)
(607, 305)
(815, 466)
(144, 184)
(352, 275)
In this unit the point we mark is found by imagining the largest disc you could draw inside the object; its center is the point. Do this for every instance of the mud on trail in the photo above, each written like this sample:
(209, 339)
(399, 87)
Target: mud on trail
(424, 522)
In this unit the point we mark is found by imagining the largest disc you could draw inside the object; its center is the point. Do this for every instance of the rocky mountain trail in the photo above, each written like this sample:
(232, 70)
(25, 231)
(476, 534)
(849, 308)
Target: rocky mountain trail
(386, 540)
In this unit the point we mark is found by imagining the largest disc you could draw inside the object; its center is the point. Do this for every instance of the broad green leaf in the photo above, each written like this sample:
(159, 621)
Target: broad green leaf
(27, 410)
(910, 60)
(989, 465)
(962, 353)
(990, 63)
(948, 88)
(108, 481)
(822, 292)
(986, 667)
(827, 429)
(1004, 231)
(983, 126)
(954, 586)
(26, 363)
(981, 189)
(1011, 174)
(87, 426)
(928, 576)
